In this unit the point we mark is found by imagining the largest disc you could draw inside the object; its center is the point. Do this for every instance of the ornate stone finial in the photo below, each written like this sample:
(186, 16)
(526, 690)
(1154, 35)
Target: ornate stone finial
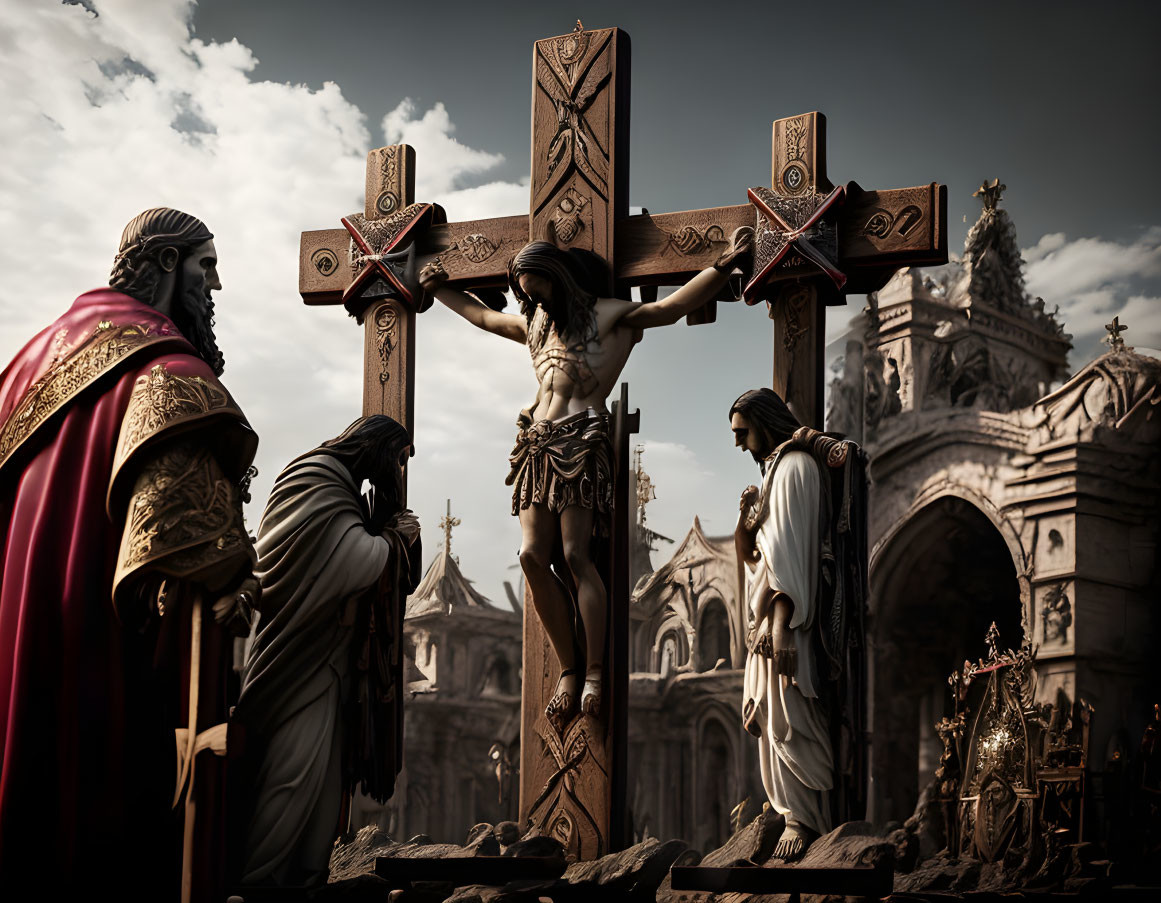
(990, 192)
(993, 640)
(579, 26)
(1113, 339)
(645, 490)
(447, 523)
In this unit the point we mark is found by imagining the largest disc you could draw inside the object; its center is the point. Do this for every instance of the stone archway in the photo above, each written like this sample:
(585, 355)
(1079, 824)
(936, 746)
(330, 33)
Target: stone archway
(713, 635)
(715, 784)
(936, 584)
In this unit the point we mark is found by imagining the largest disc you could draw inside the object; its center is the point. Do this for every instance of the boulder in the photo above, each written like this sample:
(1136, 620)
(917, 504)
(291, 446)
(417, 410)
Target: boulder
(634, 873)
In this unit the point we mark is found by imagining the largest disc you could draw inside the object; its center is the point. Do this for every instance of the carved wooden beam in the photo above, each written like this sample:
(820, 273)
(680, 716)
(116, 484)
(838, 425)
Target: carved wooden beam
(875, 229)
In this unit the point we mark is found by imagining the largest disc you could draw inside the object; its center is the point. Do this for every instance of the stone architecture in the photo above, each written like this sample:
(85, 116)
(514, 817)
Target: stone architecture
(1001, 490)
(462, 721)
(690, 761)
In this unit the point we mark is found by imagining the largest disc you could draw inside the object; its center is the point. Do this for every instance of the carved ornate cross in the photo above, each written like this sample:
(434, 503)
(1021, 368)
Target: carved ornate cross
(447, 523)
(851, 238)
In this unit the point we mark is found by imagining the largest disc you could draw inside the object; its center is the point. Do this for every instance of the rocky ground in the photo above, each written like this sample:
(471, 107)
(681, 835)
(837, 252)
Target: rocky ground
(642, 872)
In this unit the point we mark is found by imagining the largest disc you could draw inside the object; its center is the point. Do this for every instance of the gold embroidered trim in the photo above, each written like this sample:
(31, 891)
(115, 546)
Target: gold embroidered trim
(104, 350)
(182, 510)
(161, 399)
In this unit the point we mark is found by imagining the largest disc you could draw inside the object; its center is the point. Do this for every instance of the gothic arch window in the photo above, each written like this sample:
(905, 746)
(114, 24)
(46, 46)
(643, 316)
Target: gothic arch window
(715, 784)
(673, 652)
(498, 678)
(713, 635)
(936, 585)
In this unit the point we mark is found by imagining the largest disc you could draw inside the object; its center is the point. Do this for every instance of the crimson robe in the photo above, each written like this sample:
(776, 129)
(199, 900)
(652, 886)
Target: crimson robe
(108, 418)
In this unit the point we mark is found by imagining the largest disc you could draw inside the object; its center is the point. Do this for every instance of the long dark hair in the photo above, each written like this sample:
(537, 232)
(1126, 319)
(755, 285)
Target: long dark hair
(370, 449)
(136, 268)
(577, 279)
(768, 414)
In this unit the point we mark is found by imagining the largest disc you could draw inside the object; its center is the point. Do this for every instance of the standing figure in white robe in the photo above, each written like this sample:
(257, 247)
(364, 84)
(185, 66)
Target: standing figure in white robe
(778, 545)
(322, 555)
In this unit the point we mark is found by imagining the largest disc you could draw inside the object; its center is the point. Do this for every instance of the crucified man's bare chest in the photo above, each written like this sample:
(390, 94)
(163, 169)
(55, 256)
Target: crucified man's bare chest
(575, 374)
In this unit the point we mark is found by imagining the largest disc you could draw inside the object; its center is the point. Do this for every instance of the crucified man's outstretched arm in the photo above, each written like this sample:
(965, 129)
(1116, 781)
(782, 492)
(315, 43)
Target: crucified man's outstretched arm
(433, 279)
(700, 289)
(562, 462)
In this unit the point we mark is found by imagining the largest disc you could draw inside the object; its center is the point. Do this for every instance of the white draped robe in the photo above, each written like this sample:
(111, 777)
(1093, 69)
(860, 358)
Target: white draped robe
(314, 557)
(794, 745)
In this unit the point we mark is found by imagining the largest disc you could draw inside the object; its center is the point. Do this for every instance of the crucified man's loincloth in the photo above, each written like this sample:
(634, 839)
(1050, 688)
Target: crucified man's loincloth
(562, 463)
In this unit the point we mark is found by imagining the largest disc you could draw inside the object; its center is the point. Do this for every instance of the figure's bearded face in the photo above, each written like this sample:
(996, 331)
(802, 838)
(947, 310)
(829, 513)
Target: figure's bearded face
(537, 287)
(193, 309)
(387, 473)
(541, 290)
(750, 437)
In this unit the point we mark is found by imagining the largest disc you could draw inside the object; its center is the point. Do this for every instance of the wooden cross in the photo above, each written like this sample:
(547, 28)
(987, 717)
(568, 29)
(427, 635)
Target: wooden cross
(579, 198)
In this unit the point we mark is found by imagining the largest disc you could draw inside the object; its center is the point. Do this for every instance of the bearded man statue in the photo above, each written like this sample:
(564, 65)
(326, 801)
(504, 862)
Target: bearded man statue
(802, 539)
(125, 568)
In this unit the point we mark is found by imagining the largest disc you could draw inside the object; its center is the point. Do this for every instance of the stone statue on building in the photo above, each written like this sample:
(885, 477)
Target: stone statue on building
(799, 537)
(321, 701)
(562, 462)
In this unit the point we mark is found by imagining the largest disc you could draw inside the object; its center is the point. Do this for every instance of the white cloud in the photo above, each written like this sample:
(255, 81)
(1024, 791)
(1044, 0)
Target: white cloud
(432, 132)
(1094, 280)
(105, 116)
(685, 486)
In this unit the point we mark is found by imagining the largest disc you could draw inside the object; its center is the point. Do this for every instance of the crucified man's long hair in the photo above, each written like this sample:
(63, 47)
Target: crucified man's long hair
(577, 278)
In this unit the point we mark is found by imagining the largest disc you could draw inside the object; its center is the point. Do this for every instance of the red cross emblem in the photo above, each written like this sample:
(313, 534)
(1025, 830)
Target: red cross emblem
(783, 224)
(380, 242)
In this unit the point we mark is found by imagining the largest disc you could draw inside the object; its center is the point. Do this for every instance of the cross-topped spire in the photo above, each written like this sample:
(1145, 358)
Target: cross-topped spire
(990, 192)
(1113, 339)
(447, 523)
(645, 491)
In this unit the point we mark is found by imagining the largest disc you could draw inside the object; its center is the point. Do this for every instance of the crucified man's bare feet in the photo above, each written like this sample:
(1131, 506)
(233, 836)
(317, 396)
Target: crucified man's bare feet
(561, 707)
(591, 695)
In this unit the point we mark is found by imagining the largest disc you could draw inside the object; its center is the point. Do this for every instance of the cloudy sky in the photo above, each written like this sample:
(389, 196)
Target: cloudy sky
(257, 115)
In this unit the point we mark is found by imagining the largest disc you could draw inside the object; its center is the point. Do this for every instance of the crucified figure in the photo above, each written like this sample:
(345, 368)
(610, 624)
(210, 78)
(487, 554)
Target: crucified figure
(562, 462)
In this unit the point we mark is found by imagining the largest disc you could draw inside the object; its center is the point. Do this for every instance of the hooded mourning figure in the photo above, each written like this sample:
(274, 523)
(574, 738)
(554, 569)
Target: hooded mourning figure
(321, 701)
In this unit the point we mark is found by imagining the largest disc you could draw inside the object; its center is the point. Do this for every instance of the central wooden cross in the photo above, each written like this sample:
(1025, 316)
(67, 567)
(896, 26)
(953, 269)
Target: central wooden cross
(574, 786)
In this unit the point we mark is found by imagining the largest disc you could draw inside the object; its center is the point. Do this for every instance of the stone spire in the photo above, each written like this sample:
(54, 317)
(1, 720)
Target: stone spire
(992, 258)
(447, 523)
(444, 587)
(643, 492)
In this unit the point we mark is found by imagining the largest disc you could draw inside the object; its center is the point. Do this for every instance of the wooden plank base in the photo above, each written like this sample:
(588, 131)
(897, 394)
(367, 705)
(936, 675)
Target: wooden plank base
(787, 879)
(460, 871)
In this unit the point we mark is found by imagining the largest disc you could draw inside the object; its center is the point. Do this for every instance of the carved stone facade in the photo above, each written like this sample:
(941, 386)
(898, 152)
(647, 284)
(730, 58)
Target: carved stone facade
(462, 721)
(997, 497)
(690, 761)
